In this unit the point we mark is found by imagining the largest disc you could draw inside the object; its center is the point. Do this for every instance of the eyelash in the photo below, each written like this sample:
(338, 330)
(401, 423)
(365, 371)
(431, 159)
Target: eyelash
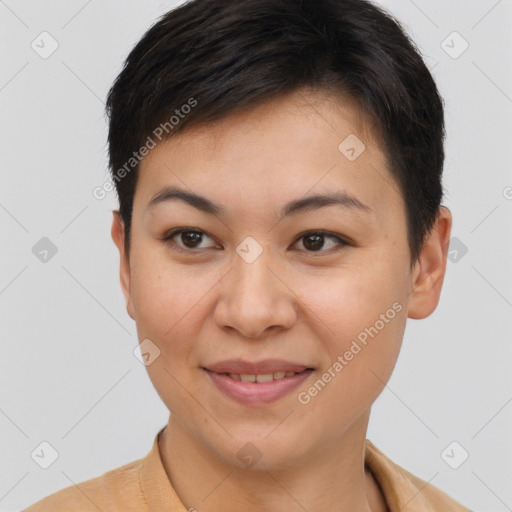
(168, 240)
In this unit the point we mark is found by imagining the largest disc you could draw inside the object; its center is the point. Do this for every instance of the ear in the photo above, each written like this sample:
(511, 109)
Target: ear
(118, 237)
(429, 270)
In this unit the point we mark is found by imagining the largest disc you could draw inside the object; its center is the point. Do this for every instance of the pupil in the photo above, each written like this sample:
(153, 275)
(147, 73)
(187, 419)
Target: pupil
(317, 242)
(191, 236)
(194, 238)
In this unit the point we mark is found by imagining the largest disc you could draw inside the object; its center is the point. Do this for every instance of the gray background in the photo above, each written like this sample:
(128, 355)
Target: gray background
(68, 373)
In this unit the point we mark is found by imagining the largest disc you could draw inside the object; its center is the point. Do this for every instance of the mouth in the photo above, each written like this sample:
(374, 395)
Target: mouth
(257, 384)
(263, 377)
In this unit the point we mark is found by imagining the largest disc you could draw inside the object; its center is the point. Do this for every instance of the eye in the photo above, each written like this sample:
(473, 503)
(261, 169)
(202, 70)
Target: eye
(187, 239)
(190, 240)
(314, 241)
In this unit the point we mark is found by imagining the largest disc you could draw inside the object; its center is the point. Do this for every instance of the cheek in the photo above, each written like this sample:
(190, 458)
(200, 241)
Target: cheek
(361, 317)
(161, 292)
(352, 300)
(171, 304)
(167, 302)
(361, 354)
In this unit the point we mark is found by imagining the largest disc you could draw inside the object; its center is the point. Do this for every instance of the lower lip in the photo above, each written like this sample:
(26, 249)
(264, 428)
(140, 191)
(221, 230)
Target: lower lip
(257, 393)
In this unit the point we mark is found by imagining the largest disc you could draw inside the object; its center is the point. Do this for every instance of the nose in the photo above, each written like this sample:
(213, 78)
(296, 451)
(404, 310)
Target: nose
(254, 298)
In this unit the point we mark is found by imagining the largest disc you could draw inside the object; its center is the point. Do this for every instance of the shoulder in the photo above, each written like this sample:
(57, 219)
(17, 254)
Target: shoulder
(108, 491)
(405, 491)
(438, 499)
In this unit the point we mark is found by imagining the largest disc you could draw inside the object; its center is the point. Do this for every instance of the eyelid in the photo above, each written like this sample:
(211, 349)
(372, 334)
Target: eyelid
(343, 241)
(168, 238)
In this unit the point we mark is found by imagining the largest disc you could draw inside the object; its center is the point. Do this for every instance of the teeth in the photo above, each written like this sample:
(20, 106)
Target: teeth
(264, 377)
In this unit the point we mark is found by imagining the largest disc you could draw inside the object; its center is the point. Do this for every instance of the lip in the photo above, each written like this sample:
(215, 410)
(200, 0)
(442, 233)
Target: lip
(256, 368)
(257, 393)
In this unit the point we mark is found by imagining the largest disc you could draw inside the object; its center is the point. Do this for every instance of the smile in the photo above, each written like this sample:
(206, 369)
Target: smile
(257, 384)
(264, 377)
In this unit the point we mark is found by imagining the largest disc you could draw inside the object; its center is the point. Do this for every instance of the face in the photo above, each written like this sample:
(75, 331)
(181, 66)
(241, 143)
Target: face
(294, 271)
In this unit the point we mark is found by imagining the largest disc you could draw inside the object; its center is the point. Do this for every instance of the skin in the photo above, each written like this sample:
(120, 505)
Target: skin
(293, 302)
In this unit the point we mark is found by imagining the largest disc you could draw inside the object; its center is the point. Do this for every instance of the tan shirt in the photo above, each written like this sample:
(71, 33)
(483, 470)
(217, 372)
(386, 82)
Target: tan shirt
(143, 486)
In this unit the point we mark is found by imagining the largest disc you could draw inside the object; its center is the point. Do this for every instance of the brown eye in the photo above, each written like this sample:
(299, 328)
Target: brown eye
(191, 239)
(187, 239)
(315, 241)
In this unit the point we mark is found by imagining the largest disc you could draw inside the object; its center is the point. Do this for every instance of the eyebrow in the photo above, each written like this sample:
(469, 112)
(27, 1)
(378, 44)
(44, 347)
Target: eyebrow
(296, 206)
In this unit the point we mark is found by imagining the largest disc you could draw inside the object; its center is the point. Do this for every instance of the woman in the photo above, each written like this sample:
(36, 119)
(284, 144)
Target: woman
(278, 166)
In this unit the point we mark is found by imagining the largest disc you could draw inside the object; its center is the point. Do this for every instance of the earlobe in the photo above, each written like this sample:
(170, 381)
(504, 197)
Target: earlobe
(118, 236)
(430, 268)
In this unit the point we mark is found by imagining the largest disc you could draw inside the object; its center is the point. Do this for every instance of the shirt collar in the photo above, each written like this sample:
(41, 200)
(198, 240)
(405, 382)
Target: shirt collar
(397, 487)
(395, 482)
(155, 484)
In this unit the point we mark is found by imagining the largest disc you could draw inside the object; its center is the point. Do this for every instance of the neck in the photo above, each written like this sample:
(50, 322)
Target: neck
(333, 478)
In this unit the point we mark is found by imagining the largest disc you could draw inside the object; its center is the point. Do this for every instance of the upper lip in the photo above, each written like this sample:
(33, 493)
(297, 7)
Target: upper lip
(257, 367)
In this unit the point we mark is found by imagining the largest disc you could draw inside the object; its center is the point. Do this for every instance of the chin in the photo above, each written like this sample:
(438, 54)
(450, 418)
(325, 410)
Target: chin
(260, 452)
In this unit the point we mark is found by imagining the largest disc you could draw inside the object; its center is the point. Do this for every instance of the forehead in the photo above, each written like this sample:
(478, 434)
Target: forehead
(306, 114)
(280, 150)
